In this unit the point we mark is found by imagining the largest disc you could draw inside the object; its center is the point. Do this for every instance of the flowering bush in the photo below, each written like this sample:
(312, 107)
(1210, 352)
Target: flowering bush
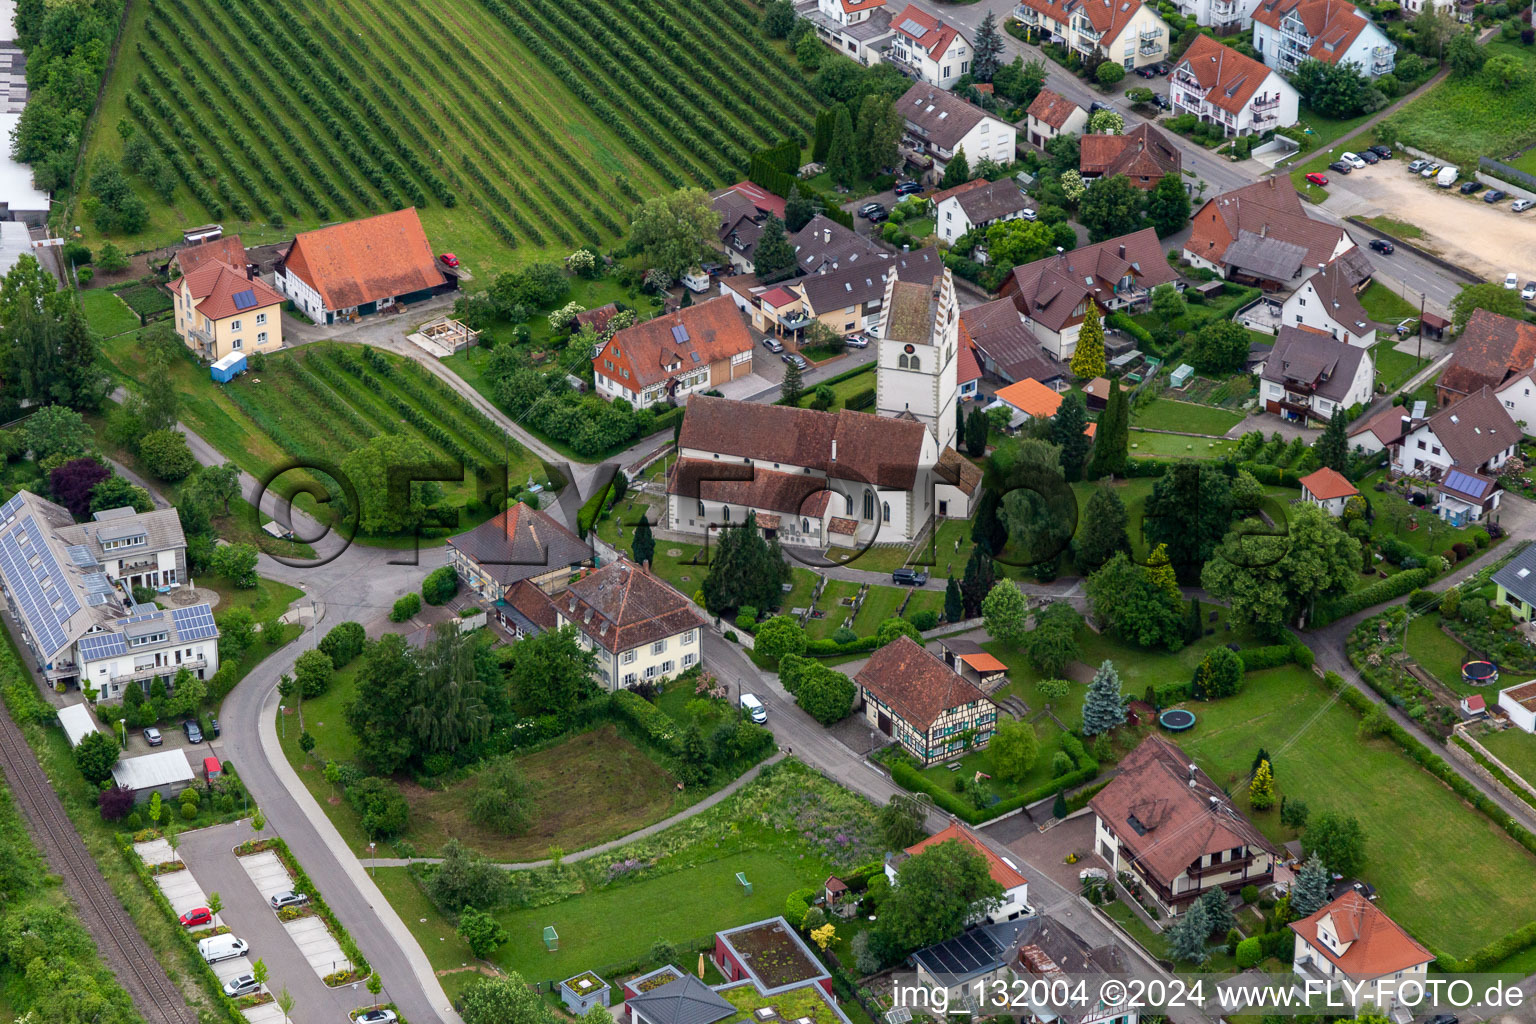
(582, 262)
(562, 318)
(709, 685)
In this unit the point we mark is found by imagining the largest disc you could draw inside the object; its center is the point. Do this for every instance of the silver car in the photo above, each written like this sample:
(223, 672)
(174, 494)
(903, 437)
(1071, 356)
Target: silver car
(1521, 205)
(241, 985)
(288, 899)
(857, 341)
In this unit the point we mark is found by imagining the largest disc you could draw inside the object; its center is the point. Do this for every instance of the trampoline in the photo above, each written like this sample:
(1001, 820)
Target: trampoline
(1177, 720)
(1479, 673)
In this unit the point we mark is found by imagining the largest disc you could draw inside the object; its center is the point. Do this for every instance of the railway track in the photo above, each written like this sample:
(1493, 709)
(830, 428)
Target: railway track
(122, 947)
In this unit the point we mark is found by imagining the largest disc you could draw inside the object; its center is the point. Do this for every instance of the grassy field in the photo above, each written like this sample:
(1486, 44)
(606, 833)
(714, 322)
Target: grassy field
(1394, 368)
(844, 389)
(107, 313)
(1439, 653)
(1384, 305)
(587, 789)
(263, 422)
(1143, 442)
(417, 96)
(1413, 825)
(1396, 228)
(1169, 414)
(981, 761)
(1515, 748)
(1462, 119)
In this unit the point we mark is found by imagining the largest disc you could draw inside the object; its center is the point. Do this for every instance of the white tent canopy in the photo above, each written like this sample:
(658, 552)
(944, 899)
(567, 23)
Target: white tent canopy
(77, 722)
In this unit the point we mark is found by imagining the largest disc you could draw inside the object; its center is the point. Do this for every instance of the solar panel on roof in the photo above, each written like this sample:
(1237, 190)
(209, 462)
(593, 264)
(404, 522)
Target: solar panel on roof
(105, 645)
(679, 334)
(81, 556)
(44, 612)
(245, 299)
(1456, 480)
(195, 623)
(913, 28)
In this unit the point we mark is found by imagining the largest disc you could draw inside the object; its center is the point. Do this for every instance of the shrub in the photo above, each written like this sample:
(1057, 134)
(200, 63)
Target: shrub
(404, 608)
(115, 804)
(166, 455)
(925, 620)
(1250, 893)
(440, 585)
(344, 642)
(188, 810)
(1249, 953)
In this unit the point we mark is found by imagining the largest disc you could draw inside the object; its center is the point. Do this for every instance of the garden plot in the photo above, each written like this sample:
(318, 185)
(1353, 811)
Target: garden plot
(268, 873)
(317, 945)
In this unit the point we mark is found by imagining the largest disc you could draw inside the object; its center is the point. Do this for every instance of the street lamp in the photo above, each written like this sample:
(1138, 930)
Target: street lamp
(373, 869)
(282, 713)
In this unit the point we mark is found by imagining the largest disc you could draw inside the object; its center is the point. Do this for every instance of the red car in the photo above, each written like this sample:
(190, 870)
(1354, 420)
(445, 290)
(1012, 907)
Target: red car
(195, 917)
(1314, 178)
(449, 259)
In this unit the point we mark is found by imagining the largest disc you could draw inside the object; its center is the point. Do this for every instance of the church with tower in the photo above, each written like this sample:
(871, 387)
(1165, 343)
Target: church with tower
(840, 479)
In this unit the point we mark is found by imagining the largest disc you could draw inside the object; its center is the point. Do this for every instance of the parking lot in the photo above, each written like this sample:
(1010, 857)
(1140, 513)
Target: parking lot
(1487, 239)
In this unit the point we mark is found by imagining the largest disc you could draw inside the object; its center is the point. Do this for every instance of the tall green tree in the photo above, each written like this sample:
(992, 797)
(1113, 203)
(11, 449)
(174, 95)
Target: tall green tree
(674, 232)
(1103, 533)
(746, 570)
(980, 575)
(842, 152)
(954, 604)
(1103, 705)
(821, 141)
(1269, 580)
(1112, 439)
(1038, 506)
(1189, 934)
(643, 545)
(1005, 613)
(384, 682)
(448, 713)
(793, 384)
(28, 286)
(1111, 208)
(1465, 57)
(986, 50)
(1068, 432)
(1088, 357)
(976, 433)
(774, 257)
(1052, 645)
(1013, 749)
(1310, 893)
(937, 894)
(1189, 510)
(1492, 297)
(987, 529)
(879, 133)
(382, 509)
(1219, 347)
(82, 383)
(96, 756)
(1168, 206)
(1333, 446)
(550, 672)
(1338, 839)
(957, 171)
(1333, 90)
(504, 999)
(1132, 605)
(799, 208)
(901, 820)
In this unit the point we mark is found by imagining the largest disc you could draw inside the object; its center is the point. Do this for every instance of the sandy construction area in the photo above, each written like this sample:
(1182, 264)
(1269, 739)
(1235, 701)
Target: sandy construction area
(1486, 239)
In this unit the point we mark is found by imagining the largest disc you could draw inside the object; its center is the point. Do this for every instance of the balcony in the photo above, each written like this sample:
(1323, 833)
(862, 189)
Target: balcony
(1265, 103)
(201, 338)
(1149, 43)
(1026, 15)
(795, 321)
(1191, 83)
(141, 565)
(1220, 11)
(151, 671)
(62, 670)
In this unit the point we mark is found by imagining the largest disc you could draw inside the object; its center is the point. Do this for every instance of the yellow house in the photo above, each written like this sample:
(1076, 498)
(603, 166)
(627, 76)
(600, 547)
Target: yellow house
(219, 310)
(639, 627)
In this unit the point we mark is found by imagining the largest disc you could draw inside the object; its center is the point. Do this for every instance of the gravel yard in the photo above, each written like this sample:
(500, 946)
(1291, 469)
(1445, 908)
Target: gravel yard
(1486, 239)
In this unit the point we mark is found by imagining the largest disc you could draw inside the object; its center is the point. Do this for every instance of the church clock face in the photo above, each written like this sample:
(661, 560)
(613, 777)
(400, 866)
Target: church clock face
(909, 349)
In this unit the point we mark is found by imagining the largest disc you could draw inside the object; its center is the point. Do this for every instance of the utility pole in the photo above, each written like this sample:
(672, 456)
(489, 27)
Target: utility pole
(1423, 297)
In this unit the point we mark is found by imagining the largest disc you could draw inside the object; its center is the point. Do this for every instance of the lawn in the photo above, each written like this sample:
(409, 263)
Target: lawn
(1462, 119)
(267, 598)
(832, 604)
(1414, 826)
(107, 313)
(1385, 306)
(1169, 414)
(1394, 368)
(1167, 446)
(1515, 748)
(864, 380)
(1431, 536)
(932, 553)
(498, 183)
(981, 761)
(1439, 653)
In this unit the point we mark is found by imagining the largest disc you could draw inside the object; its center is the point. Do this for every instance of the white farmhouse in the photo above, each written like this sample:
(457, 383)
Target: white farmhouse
(1308, 376)
(1456, 454)
(1350, 939)
(978, 204)
(666, 359)
(1326, 302)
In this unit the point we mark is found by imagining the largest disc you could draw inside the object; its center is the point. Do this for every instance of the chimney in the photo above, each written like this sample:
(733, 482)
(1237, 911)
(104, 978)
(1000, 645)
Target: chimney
(1192, 771)
(1215, 802)
(1407, 424)
(826, 236)
(834, 449)
(1122, 251)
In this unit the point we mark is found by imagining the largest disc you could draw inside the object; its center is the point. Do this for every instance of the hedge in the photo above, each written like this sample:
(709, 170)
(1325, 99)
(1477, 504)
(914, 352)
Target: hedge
(1275, 655)
(1499, 949)
(1122, 322)
(831, 648)
(860, 399)
(1272, 475)
(1080, 799)
(908, 777)
(654, 724)
(848, 374)
(1333, 608)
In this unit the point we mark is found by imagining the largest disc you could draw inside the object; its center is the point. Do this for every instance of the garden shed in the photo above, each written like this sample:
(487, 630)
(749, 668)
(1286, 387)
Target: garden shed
(77, 722)
(166, 773)
(583, 992)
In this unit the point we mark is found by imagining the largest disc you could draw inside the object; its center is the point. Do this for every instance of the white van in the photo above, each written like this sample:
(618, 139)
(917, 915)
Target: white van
(754, 708)
(222, 947)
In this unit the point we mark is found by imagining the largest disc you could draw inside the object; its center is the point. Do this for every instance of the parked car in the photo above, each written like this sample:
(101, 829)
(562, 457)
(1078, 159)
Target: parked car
(288, 899)
(1521, 205)
(908, 188)
(1098, 105)
(1317, 179)
(376, 1017)
(1429, 171)
(1469, 187)
(1340, 167)
(754, 708)
(1162, 67)
(1381, 245)
(869, 208)
(1443, 1018)
(1385, 152)
(794, 360)
(857, 340)
(193, 730)
(879, 216)
(1028, 214)
(1353, 160)
(1511, 281)
(1146, 71)
(222, 947)
(241, 985)
(152, 736)
(909, 577)
(196, 917)
(1495, 195)
(1369, 157)
(772, 346)
(449, 259)
(1162, 101)
(1529, 291)
(1418, 165)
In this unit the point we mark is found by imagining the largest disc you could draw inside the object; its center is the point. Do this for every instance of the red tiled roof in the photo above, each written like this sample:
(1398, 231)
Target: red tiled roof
(1050, 290)
(1052, 108)
(1163, 823)
(214, 285)
(598, 318)
(533, 604)
(1332, 24)
(622, 606)
(778, 297)
(1386, 424)
(742, 484)
(226, 250)
(938, 35)
(1490, 350)
(713, 330)
(365, 260)
(1142, 152)
(1229, 78)
(853, 6)
(755, 193)
(1475, 702)
(915, 684)
(967, 369)
(1032, 397)
(1373, 943)
(1003, 873)
(1108, 17)
(1474, 430)
(1270, 208)
(1326, 484)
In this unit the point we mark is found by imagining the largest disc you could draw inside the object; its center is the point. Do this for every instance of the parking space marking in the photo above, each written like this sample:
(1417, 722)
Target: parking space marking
(226, 969)
(156, 851)
(267, 873)
(266, 1013)
(182, 890)
(317, 945)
